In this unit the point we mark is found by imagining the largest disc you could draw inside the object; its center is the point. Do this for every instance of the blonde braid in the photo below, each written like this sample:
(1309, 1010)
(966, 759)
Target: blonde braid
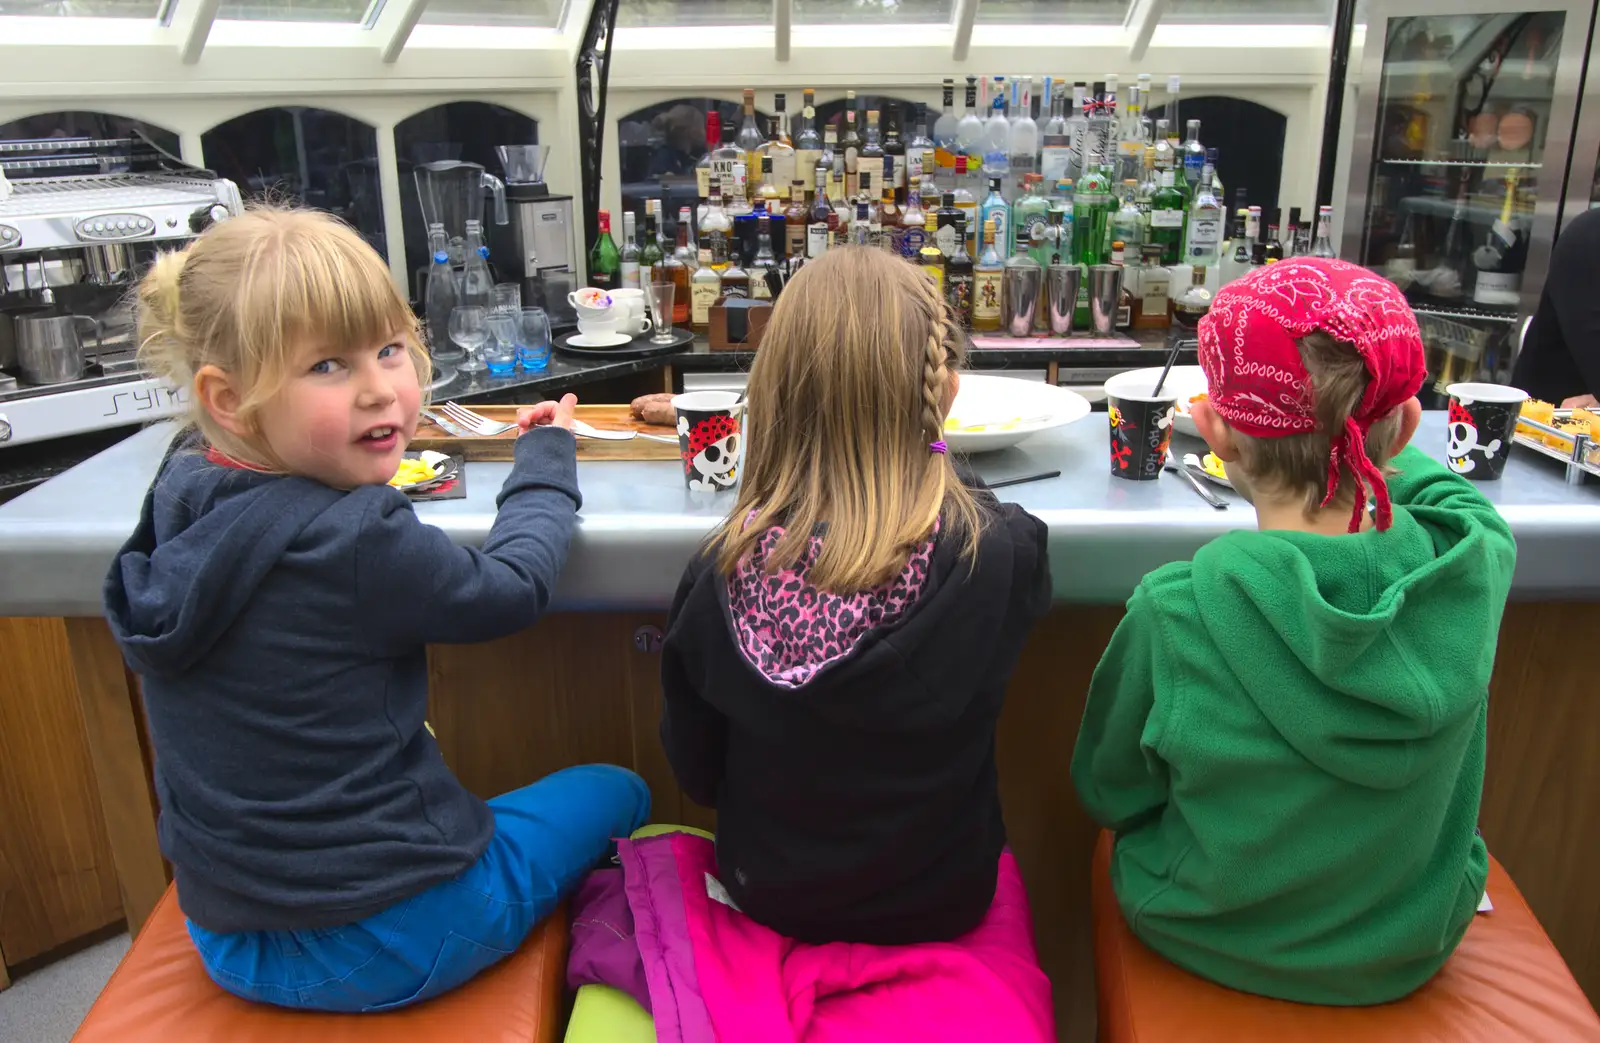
(935, 367)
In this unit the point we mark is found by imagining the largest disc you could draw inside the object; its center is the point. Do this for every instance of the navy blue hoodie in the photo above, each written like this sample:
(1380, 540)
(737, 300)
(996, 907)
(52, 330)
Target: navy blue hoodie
(279, 628)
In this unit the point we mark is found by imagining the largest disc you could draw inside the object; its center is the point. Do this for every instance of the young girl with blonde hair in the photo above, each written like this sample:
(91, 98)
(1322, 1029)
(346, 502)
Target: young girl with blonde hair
(276, 600)
(838, 654)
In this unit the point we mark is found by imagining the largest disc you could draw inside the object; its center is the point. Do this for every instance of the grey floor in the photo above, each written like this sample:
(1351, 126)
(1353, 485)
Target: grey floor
(47, 1005)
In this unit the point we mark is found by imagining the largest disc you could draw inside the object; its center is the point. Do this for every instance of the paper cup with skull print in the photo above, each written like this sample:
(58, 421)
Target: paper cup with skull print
(709, 438)
(1141, 424)
(1483, 417)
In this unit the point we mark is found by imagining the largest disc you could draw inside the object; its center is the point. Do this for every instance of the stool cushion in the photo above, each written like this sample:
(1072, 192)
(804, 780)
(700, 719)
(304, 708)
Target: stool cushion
(602, 1014)
(1504, 983)
(160, 993)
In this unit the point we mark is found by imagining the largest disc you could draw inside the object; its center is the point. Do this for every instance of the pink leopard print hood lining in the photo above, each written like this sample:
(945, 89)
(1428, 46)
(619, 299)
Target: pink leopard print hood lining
(790, 631)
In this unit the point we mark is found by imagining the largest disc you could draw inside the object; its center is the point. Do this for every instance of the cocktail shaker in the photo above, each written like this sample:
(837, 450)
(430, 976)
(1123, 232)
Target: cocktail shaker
(1105, 289)
(1062, 281)
(1019, 298)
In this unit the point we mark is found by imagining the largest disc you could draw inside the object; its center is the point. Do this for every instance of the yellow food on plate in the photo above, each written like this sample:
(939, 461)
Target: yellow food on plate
(1590, 418)
(411, 472)
(1569, 425)
(1540, 412)
(1213, 466)
(954, 424)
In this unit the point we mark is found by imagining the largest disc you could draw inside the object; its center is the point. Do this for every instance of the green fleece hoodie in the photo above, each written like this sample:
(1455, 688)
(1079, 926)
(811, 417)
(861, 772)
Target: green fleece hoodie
(1287, 735)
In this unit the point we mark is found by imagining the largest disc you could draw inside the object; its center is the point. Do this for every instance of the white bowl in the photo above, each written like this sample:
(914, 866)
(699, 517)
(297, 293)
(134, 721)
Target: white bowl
(1187, 381)
(992, 406)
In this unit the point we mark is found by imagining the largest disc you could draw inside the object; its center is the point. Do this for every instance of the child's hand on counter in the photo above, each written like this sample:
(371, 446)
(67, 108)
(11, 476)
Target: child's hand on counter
(549, 414)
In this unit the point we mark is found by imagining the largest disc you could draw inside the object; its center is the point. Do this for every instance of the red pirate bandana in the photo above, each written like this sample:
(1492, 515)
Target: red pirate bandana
(1459, 414)
(710, 431)
(1259, 384)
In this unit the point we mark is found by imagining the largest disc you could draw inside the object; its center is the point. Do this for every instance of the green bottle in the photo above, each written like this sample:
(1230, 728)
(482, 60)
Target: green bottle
(1167, 208)
(1092, 207)
(605, 262)
(1030, 217)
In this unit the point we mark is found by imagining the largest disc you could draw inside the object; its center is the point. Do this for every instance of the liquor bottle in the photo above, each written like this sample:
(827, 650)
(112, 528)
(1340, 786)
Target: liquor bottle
(1024, 140)
(945, 222)
(1130, 143)
(676, 270)
(969, 131)
(779, 149)
(1091, 211)
(736, 197)
(605, 263)
(1166, 155)
(716, 228)
(1166, 219)
(1499, 260)
(850, 146)
(958, 277)
(1077, 131)
(1055, 156)
(651, 254)
(705, 286)
(944, 129)
(629, 258)
(726, 157)
(894, 152)
(843, 209)
(750, 138)
(1147, 185)
(1194, 157)
(820, 217)
(1274, 244)
(930, 257)
(764, 261)
(795, 220)
(1100, 145)
(889, 217)
(1127, 224)
(1323, 247)
(685, 251)
(830, 159)
(913, 222)
(1030, 217)
(1295, 242)
(1238, 261)
(769, 196)
(1216, 177)
(1172, 113)
(996, 213)
(1061, 202)
(705, 169)
(986, 283)
(1204, 239)
(807, 143)
(1146, 130)
(860, 226)
(965, 201)
(1155, 288)
(1130, 284)
(735, 279)
(920, 150)
(996, 137)
(1258, 256)
(870, 159)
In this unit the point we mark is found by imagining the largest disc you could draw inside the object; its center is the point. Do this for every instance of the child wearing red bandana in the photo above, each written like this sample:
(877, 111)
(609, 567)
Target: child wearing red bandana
(1287, 733)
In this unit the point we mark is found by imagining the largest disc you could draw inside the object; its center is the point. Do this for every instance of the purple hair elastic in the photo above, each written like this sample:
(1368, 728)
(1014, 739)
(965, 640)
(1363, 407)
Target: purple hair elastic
(938, 447)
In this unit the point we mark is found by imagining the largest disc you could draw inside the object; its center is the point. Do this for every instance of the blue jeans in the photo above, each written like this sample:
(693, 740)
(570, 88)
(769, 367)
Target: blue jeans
(546, 837)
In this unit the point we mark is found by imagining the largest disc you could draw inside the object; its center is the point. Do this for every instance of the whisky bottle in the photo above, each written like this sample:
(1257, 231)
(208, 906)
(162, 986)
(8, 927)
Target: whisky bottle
(930, 257)
(807, 143)
(705, 286)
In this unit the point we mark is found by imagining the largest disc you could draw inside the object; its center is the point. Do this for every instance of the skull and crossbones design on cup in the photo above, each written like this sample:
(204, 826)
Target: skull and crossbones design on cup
(710, 449)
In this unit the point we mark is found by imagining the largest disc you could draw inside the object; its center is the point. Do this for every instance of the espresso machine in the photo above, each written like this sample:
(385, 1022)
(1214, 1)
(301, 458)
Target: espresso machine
(536, 247)
(80, 220)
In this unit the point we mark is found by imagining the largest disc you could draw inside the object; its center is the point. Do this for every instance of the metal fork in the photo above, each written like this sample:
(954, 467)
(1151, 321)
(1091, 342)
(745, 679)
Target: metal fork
(475, 423)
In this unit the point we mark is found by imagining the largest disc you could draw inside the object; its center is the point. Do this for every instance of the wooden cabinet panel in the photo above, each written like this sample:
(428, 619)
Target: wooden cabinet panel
(57, 876)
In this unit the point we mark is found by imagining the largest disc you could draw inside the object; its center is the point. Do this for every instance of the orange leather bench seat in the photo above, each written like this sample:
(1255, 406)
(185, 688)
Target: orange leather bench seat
(160, 993)
(1505, 983)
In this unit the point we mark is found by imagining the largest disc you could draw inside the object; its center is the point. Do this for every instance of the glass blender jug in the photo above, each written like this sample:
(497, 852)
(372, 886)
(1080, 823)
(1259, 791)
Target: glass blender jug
(451, 194)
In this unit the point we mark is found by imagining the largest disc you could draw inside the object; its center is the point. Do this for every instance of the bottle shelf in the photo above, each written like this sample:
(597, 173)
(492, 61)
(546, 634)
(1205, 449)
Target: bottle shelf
(1467, 314)
(1479, 163)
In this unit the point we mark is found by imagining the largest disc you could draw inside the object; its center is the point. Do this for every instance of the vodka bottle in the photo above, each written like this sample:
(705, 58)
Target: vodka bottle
(1204, 242)
(1024, 139)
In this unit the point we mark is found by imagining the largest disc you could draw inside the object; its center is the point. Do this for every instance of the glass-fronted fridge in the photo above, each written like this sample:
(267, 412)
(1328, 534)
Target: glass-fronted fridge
(1463, 133)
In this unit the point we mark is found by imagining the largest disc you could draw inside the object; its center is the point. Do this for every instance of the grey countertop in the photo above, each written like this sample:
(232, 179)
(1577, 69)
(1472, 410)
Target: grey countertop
(639, 524)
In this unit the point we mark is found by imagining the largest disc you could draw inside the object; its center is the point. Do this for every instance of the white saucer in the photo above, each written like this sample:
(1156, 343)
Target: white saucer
(599, 340)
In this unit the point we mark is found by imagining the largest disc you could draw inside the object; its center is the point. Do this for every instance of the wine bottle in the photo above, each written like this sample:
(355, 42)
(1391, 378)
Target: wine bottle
(1500, 259)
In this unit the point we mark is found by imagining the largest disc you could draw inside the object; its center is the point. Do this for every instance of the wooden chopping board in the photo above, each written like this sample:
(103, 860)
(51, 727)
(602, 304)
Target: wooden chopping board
(605, 418)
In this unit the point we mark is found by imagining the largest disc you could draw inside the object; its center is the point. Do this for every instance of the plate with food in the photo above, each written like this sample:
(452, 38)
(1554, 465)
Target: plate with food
(421, 472)
(1209, 467)
(1190, 384)
(1554, 432)
(992, 413)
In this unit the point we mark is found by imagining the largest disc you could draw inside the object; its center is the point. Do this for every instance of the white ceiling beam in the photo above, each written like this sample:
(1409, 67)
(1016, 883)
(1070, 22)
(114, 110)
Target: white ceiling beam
(1143, 17)
(393, 27)
(965, 14)
(191, 25)
(782, 28)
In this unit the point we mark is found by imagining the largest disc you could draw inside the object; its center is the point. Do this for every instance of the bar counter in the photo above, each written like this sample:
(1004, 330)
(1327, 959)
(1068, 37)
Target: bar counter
(582, 684)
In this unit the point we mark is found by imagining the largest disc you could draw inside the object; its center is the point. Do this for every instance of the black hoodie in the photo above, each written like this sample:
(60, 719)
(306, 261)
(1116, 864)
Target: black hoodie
(279, 628)
(853, 769)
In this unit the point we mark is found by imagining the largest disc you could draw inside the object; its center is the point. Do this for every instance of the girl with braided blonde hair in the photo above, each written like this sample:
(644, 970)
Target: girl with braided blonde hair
(838, 652)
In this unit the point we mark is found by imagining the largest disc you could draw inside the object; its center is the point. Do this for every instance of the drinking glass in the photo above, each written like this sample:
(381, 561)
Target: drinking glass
(500, 353)
(507, 297)
(660, 298)
(534, 346)
(469, 328)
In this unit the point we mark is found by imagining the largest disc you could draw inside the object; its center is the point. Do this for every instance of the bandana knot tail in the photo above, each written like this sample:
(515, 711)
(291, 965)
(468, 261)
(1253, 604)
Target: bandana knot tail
(1351, 444)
